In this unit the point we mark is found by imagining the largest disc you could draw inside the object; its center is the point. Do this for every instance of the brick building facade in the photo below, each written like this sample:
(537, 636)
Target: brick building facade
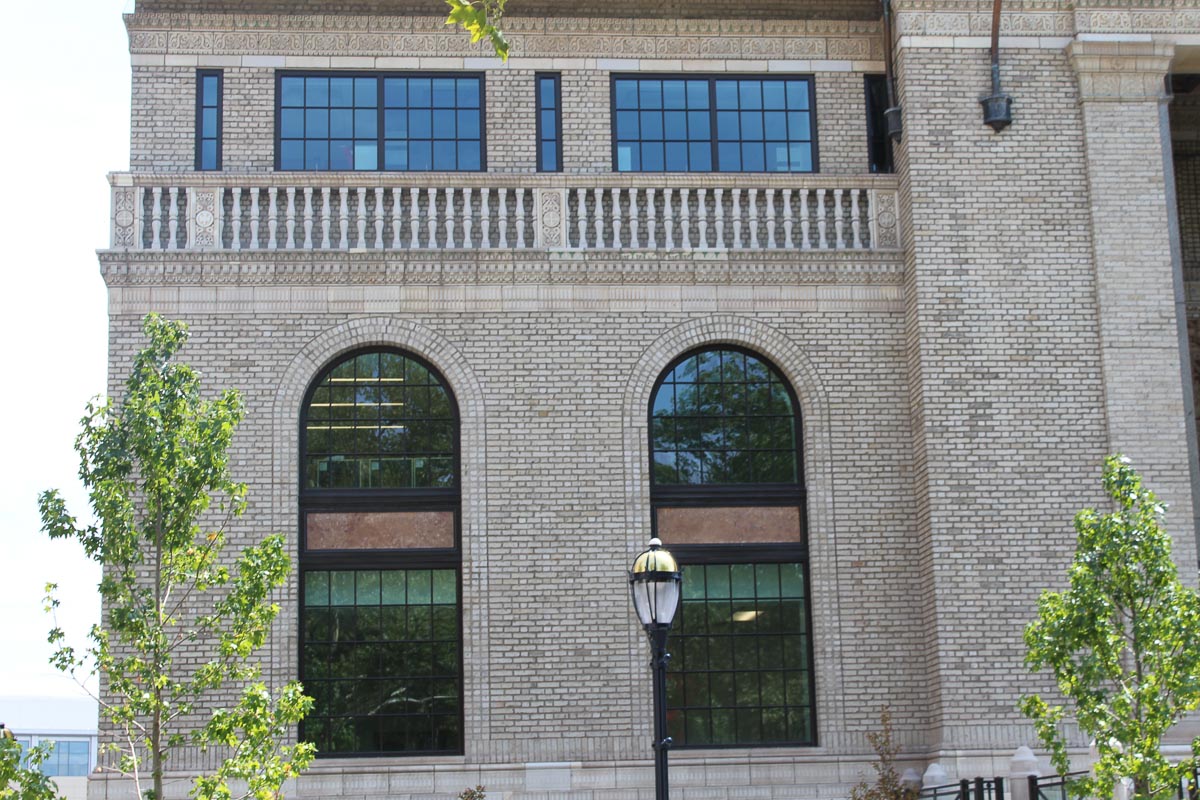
(955, 346)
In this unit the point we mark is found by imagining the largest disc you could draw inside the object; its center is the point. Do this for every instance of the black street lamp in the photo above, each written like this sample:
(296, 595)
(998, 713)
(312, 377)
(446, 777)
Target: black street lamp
(654, 582)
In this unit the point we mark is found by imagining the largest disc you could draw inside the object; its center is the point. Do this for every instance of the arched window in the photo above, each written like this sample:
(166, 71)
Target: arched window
(727, 493)
(380, 645)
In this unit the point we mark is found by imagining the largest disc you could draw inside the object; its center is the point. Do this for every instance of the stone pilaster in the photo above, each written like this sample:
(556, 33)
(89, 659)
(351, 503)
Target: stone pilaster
(1142, 326)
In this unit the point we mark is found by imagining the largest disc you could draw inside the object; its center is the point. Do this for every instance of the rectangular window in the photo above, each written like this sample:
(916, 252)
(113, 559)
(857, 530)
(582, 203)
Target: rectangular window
(879, 146)
(718, 124)
(741, 666)
(549, 122)
(381, 659)
(209, 89)
(411, 122)
(69, 758)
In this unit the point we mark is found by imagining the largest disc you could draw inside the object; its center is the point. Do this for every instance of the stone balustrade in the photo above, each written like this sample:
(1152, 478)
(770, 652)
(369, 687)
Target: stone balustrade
(438, 211)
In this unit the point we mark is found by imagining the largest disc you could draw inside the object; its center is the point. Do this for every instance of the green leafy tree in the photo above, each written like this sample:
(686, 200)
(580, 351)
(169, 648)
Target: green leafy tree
(25, 781)
(1123, 643)
(156, 466)
(888, 785)
(482, 19)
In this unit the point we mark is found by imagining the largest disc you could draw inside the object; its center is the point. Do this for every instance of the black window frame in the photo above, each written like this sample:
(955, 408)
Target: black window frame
(741, 495)
(556, 77)
(712, 78)
(219, 137)
(877, 133)
(333, 500)
(381, 75)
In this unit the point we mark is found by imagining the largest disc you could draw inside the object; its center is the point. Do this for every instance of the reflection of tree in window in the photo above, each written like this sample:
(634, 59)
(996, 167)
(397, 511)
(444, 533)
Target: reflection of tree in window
(728, 499)
(380, 621)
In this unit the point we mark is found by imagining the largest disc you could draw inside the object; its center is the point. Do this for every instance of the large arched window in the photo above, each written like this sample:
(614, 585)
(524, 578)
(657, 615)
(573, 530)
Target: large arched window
(727, 493)
(380, 641)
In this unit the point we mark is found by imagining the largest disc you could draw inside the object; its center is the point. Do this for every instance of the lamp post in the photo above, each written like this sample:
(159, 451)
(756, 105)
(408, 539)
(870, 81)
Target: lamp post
(654, 582)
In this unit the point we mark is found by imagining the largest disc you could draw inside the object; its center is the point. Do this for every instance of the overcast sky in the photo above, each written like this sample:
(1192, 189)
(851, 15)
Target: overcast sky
(64, 92)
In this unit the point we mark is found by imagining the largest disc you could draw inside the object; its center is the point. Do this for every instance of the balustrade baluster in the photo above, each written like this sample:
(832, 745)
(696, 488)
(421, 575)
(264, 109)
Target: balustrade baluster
(520, 217)
(668, 219)
(308, 217)
(598, 199)
(616, 216)
(855, 222)
(485, 216)
(173, 219)
(235, 241)
(360, 217)
(769, 198)
(156, 218)
(139, 224)
(737, 219)
(719, 217)
(290, 218)
(449, 218)
(822, 239)
(396, 195)
(752, 219)
(788, 222)
(581, 216)
(685, 218)
(255, 218)
(651, 222)
(467, 216)
(273, 218)
(839, 224)
(326, 214)
(502, 217)
(343, 218)
(414, 217)
(378, 217)
(431, 220)
(805, 239)
(702, 218)
(633, 218)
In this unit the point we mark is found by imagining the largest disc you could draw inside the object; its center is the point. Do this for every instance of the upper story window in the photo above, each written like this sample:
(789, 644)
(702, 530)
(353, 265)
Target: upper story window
(402, 122)
(209, 90)
(549, 122)
(879, 146)
(717, 124)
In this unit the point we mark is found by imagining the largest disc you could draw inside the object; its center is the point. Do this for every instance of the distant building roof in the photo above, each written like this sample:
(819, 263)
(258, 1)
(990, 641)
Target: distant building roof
(65, 716)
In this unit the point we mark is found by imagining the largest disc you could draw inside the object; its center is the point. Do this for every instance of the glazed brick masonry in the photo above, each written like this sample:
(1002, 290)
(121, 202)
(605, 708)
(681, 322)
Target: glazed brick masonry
(957, 398)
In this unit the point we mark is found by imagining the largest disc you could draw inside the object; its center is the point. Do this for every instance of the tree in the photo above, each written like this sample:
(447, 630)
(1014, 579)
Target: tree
(156, 467)
(24, 781)
(888, 785)
(1123, 643)
(481, 19)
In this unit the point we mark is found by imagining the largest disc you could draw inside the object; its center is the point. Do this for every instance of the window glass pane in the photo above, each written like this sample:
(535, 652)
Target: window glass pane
(443, 124)
(316, 92)
(773, 95)
(468, 124)
(420, 155)
(652, 125)
(468, 156)
(395, 124)
(316, 123)
(291, 155)
(341, 154)
(420, 124)
(650, 94)
(395, 91)
(652, 157)
(366, 155)
(468, 92)
(365, 90)
(676, 157)
(742, 667)
(292, 91)
(719, 418)
(549, 120)
(208, 122)
(444, 155)
(395, 155)
(341, 123)
(697, 94)
(365, 121)
(673, 95)
(375, 397)
(627, 125)
(291, 121)
(208, 154)
(420, 93)
(547, 97)
(316, 154)
(727, 94)
(700, 157)
(341, 92)
(390, 682)
(698, 125)
(627, 93)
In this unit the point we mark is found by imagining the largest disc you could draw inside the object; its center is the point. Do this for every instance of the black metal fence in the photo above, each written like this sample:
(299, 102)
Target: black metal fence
(1051, 787)
(978, 789)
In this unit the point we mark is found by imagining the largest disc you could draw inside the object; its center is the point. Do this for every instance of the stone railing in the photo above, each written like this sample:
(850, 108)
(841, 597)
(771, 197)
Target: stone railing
(439, 211)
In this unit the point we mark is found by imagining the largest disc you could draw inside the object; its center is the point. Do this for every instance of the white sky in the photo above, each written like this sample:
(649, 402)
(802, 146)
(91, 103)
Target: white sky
(64, 91)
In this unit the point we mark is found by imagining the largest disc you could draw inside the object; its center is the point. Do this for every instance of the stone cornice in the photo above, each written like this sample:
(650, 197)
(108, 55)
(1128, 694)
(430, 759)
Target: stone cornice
(444, 268)
(379, 36)
(1120, 71)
